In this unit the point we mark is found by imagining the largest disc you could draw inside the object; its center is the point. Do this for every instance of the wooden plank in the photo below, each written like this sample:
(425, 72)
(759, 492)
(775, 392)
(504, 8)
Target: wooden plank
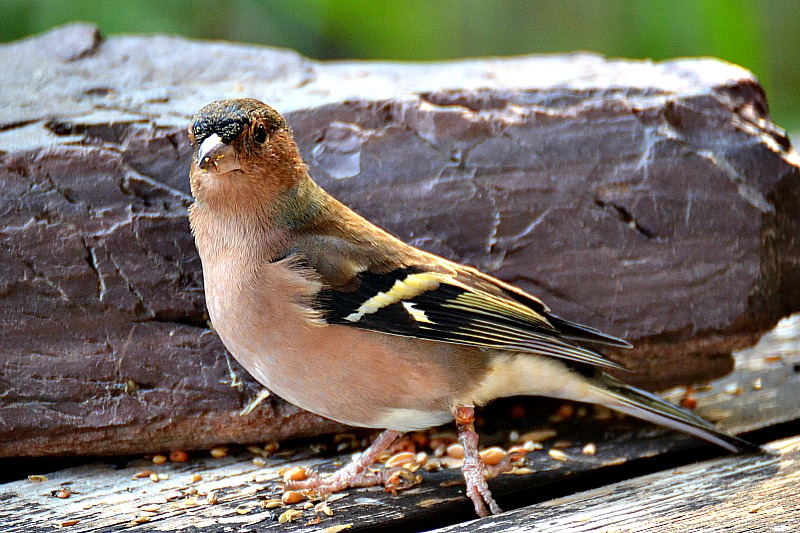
(105, 498)
(734, 493)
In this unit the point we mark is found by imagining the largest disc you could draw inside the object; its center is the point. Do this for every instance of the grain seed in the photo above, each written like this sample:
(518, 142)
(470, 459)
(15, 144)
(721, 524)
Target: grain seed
(219, 451)
(178, 456)
(297, 473)
(455, 451)
(400, 459)
(292, 496)
(558, 455)
(289, 516)
(492, 456)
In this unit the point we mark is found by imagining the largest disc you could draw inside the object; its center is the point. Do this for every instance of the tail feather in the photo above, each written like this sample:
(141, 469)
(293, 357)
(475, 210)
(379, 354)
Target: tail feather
(647, 406)
(582, 333)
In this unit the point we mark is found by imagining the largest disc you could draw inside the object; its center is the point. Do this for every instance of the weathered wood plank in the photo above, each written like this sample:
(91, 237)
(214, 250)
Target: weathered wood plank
(107, 499)
(730, 494)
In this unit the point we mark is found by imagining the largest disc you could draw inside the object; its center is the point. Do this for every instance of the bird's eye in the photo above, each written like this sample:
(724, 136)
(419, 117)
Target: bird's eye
(261, 134)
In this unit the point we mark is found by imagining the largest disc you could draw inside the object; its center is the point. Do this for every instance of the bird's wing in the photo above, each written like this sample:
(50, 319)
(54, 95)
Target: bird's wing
(427, 297)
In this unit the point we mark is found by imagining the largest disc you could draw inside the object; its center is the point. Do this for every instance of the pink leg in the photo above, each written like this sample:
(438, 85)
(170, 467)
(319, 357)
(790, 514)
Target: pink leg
(474, 468)
(355, 474)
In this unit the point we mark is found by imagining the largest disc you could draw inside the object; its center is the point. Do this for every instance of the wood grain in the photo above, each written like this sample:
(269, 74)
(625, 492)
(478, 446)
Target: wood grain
(108, 499)
(730, 494)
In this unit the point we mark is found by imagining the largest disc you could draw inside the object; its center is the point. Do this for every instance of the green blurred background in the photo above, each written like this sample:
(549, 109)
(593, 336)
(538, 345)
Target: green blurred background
(763, 36)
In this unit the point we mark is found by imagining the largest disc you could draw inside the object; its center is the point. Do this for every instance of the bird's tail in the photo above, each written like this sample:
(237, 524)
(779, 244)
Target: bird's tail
(642, 404)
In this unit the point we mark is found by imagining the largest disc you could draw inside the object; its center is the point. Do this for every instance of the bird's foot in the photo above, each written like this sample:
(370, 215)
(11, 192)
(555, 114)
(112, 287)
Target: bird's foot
(357, 473)
(475, 471)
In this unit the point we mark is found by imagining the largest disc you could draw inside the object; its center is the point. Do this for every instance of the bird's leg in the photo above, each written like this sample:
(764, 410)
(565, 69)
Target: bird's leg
(355, 474)
(474, 468)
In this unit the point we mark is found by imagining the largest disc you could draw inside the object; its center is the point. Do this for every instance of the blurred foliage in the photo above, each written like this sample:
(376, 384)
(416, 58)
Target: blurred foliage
(759, 35)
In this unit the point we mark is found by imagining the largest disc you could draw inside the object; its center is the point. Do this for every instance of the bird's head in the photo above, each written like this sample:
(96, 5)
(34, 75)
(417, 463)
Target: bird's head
(242, 148)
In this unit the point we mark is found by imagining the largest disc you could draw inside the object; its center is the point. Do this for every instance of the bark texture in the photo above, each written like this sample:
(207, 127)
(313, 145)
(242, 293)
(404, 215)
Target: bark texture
(655, 201)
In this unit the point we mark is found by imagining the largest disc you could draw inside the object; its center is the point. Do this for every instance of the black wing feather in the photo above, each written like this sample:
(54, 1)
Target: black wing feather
(463, 312)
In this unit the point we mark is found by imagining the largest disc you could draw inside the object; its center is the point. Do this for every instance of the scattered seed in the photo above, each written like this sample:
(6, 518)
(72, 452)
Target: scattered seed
(196, 478)
(243, 509)
(755, 509)
(520, 471)
(140, 520)
(589, 449)
(154, 477)
(162, 477)
(150, 507)
(733, 389)
(271, 447)
(400, 459)
(773, 358)
(307, 505)
(419, 438)
(191, 491)
(336, 529)
(292, 496)
(159, 459)
(211, 498)
(189, 502)
(601, 412)
(63, 493)
(314, 521)
(421, 458)
(341, 437)
(532, 446)
(558, 455)
(297, 473)
(67, 523)
(142, 474)
(455, 451)
(178, 456)
(565, 411)
(271, 504)
(689, 402)
(219, 451)
(289, 516)
(492, 456)
(323, 508)
(615, 462)
(758, 384)
(37, 478)
(539, 435)
(256, 450)
(258, 461)
(561, 444)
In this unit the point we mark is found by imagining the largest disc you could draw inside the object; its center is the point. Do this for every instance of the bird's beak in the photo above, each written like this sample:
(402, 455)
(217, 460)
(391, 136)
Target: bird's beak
(215, 154)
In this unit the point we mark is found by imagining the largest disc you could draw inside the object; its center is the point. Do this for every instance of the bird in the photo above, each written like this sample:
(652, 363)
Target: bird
(342, 319)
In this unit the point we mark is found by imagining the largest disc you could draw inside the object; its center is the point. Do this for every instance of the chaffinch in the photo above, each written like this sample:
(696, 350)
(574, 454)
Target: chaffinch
(344, 320)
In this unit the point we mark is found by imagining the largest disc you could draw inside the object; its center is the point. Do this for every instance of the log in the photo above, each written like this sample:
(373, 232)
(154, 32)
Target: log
(655, 201)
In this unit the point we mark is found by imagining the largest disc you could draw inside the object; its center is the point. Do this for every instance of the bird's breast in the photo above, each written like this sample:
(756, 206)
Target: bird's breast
(264, 317)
